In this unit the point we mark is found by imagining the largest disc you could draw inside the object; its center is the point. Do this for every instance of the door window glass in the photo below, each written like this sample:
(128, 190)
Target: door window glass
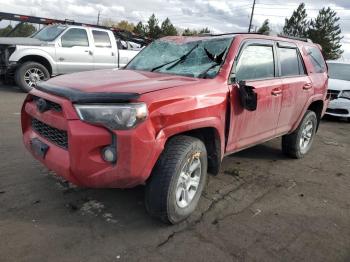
(75, 37)
(101, 39)
(291, 64)
(317, 59)
(255, 62)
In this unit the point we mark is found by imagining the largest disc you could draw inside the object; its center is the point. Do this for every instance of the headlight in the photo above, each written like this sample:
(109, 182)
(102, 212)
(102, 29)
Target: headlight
(345, 94)
(115, 117)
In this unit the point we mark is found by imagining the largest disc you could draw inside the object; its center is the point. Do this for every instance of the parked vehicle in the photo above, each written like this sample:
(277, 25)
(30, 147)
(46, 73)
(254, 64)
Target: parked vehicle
(174, 112)
(339, 89)
(60, 49)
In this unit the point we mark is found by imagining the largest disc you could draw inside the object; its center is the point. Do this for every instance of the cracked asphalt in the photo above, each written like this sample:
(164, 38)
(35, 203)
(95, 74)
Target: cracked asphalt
(262, 207)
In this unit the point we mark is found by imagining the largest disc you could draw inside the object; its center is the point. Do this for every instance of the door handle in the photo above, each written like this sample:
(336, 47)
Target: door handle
(276, 91)
(89, 51)
(307, 86)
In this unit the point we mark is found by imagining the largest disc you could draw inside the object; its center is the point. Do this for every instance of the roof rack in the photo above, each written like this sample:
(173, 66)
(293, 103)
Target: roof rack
(308, 40)
(256, 33)
(119, 33)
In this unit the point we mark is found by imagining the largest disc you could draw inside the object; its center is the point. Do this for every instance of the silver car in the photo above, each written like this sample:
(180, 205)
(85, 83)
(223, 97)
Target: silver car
(339, 89)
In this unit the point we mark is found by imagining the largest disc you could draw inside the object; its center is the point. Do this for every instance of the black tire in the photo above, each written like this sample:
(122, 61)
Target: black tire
(160, 193)
(23, 68)
(291, 145)
(349, 119)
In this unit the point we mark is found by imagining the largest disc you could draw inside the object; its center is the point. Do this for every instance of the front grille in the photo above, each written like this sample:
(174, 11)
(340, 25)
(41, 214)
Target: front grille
(54, 135)
(337, 111)
(50, 105)
(333, 94)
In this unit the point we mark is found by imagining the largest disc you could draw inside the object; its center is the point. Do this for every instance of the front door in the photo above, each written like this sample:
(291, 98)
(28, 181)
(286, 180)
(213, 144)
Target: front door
(257, 66)
(73, 53)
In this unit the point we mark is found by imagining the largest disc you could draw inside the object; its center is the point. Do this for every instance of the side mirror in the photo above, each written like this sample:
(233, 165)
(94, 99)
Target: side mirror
(247, 96)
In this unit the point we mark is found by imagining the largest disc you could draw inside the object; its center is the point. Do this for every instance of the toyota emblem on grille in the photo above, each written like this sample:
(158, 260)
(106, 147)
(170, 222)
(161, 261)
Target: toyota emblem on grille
(42, 105)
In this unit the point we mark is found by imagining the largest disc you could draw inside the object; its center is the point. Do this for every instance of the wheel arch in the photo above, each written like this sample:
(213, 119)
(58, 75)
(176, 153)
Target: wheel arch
(210, 136)
(38, 59)
(317, 107)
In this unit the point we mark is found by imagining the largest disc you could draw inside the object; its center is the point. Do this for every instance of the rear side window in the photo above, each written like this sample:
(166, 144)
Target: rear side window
(75, 37)
(101, 39)
(316, 59)
(255, 62)
(291, 63)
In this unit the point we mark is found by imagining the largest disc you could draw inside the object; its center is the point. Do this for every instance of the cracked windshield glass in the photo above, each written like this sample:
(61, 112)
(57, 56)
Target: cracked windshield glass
(200, 59)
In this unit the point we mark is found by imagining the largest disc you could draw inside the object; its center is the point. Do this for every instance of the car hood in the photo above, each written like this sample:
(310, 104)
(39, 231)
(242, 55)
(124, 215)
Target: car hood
(119, 81)
(20, 41)
(336, 84)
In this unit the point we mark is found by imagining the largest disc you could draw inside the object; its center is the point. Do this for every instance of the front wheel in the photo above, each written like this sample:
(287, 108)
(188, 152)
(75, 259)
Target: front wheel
(29, 74)
(177, 180)
(298, 143)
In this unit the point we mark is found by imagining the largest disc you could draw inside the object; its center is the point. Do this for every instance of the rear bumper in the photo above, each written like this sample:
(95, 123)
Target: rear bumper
(339, 107)
(82, 163)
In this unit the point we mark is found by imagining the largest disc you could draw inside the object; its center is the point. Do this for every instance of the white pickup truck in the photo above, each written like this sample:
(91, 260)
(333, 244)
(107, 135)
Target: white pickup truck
(61, 49)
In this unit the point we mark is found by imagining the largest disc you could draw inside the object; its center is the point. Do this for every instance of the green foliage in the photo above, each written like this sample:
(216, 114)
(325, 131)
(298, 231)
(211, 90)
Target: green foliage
(325, 30)
(265, 28)
(153, 29)
(4, 31)
(297, 25)
(168, 28)
(189, 32)
(140, 29)
(23, 30)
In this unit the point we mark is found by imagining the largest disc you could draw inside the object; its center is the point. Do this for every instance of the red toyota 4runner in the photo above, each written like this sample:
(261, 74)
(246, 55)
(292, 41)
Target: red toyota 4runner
(174, 112)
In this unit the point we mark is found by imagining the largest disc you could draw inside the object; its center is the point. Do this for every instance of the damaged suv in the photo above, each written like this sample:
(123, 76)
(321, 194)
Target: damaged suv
(174, 112)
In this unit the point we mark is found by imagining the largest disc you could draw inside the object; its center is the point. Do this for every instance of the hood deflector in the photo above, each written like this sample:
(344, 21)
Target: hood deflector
(77, 96)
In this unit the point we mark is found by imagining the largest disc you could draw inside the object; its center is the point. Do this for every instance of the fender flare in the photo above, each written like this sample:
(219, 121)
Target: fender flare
(19, 54)
(314, 98)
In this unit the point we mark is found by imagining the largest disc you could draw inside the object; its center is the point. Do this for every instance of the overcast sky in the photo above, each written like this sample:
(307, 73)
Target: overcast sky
(218, 15)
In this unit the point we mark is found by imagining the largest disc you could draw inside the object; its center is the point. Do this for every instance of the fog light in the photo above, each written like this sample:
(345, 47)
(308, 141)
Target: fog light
(109, 154)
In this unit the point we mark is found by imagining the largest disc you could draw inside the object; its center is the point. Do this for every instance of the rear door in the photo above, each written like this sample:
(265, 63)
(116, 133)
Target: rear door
(73, 53)
(297, 86)
(256, 64)
(105, 51)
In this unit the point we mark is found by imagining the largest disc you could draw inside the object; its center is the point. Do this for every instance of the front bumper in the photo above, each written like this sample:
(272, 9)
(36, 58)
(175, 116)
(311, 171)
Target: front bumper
(339, 107)
(82, 163)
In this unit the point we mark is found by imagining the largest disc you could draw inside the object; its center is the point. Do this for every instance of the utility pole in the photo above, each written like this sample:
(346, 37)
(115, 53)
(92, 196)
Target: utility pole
(98, 17)
(251, 17)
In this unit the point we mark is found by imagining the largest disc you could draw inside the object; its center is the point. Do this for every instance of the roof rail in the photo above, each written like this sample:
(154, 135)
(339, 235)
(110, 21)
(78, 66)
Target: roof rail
(296, 38)
(234, 33)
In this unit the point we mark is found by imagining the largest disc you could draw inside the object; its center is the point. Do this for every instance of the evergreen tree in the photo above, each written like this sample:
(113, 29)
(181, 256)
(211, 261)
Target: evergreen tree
(189, 32)
(204, 31)
(297, 25)
(265, 28)
(325, 30)
(153, 28)
(168, 28)
(140, 29)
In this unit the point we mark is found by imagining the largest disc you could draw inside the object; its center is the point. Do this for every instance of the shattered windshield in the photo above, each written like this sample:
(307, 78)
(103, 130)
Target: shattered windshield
(200, 58)
(49, 33)
(339, 71)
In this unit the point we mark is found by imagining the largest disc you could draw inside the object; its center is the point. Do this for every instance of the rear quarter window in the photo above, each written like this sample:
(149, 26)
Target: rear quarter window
(316, 58)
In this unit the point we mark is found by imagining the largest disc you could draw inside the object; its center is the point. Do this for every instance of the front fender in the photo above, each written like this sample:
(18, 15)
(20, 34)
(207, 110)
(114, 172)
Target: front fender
(41, 51)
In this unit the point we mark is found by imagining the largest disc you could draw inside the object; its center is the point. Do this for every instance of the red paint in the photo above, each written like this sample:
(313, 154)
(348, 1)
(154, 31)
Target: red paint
(176, 104)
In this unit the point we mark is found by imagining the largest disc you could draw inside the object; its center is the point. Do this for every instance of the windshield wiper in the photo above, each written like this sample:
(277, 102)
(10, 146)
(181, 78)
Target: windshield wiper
(217, 59)
(204, 73)
(177, 60)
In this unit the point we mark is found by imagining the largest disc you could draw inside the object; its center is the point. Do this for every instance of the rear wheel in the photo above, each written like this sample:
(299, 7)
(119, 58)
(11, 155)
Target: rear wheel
(29, 74)
(298, 143)
(177, 180)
